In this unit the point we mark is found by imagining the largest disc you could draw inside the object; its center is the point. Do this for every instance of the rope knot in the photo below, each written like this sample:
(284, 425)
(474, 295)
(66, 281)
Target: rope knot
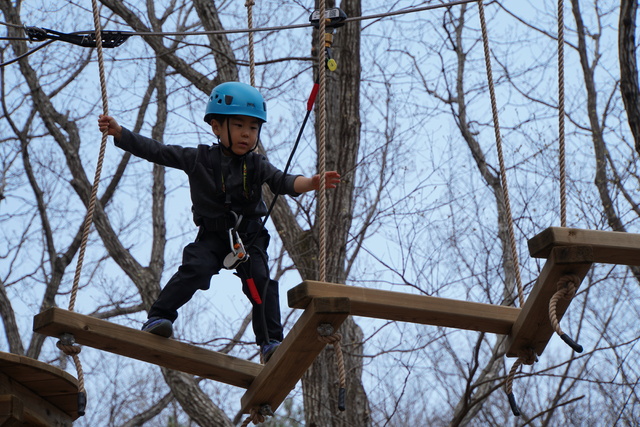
(527, 356)
(249, 3)
(331, 339)
(69, 350)
(568, 285)
(67, 344)
(255, 417)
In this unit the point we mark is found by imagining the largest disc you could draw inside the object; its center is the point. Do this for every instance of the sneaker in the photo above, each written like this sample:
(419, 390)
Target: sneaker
(267, 350)
(158, 326)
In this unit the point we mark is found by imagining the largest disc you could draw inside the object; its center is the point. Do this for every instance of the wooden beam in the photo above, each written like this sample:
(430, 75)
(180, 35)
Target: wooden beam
(533, 328)
(294, 356)
(609, 247)
(147, 347)
(411, 308)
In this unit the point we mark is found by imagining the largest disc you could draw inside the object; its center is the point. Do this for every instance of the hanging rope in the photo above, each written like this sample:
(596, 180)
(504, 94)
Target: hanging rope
(67, 344)
(327, 335)
(322, 117)
(561, 150)
(503, 171)
(567, 287)
(527, 357)
(252, 60)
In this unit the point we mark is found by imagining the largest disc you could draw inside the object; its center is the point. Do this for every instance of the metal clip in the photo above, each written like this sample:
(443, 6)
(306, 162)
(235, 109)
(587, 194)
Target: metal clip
(238, 254)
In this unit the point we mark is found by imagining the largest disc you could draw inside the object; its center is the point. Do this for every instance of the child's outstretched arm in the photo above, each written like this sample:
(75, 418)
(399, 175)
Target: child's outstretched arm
(303, 184)
(110, 125)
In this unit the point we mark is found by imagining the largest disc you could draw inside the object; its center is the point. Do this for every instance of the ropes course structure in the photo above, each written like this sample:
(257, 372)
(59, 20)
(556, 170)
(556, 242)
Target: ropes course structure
(569, 255)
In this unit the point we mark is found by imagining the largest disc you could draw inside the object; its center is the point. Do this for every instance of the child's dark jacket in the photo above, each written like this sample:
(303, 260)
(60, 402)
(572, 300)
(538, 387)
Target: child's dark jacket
(217, 182)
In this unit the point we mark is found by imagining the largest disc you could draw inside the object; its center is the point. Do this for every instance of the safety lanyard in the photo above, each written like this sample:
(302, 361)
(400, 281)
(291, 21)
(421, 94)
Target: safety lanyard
(245, 186)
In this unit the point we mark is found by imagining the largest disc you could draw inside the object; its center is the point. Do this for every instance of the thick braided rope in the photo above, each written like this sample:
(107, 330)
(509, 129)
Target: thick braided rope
(322, 117)
(252, 60)
(512, 374)
(254, 417)
(567, 286)
(96, 179)
(524, 358)
(561, 132)
(503, 171)
(73, 350)
(334, 339)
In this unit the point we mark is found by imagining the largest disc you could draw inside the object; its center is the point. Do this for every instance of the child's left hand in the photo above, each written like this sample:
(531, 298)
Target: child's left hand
(332, 179)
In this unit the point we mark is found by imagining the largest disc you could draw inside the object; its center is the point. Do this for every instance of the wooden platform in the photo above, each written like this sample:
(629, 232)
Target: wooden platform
(33, 393)
(609, 247)
(147, 347)
(296, 353)
(533, 328)
(568, 251)
(410, 307)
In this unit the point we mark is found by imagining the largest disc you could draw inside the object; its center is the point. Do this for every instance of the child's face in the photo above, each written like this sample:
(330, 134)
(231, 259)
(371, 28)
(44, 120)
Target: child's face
(243, 131)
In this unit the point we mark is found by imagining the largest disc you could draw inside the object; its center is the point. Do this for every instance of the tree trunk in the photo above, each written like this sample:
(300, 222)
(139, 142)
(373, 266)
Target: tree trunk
(629, 87)
(320, 383)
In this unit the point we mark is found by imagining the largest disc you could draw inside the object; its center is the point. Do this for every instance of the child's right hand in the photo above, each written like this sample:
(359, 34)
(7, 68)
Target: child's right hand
(110, 125)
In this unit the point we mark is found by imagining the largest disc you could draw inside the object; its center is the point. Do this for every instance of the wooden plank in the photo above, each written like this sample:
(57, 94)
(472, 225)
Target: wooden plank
(533, 328)
(147, 347)
(47, 382)
(294, 356)
(609, 247)
(411, 308)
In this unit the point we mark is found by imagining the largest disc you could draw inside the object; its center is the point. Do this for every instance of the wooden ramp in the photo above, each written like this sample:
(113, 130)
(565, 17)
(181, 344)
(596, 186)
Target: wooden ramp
(33, 393)
(296, 353)
(147, 347)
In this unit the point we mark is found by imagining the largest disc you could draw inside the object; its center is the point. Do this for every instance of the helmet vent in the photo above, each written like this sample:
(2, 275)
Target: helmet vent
(228, 99)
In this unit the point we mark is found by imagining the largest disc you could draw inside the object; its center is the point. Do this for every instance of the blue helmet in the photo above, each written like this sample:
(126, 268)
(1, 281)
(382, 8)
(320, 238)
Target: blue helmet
(236, 99)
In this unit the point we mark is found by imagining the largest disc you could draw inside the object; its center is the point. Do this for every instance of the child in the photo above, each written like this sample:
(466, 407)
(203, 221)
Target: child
(225, 182)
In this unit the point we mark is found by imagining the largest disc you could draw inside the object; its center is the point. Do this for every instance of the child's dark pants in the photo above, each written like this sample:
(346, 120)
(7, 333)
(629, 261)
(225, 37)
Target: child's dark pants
(203, 258)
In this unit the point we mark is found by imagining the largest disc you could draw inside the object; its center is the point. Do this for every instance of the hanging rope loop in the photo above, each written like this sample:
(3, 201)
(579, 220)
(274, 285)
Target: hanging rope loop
(525, 357)
(327, 335)
(67, 344)
(567, 287)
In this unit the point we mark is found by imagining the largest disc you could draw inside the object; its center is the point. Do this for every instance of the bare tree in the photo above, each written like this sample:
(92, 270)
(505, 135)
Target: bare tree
(420, 210)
